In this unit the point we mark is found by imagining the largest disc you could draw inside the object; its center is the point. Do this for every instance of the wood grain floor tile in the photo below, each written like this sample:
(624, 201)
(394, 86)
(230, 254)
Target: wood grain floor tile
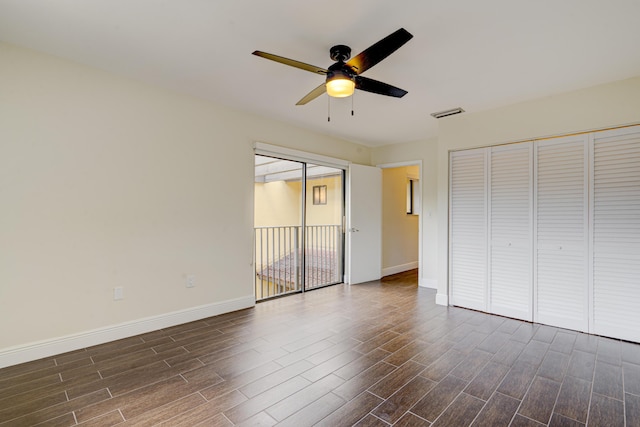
(563, 342)
(494, 342)
(396, 379)
(169, 411)
(377, 353)
(461, 412)
(264, 400)
(471, 365)
(540, 399)
(586, 343)
(498, 411)
(356, 385)
(411, 420)
(351, 412)
(444, 365)
(534, 352)
(397, 404)
(361, 364)
(371, 421)
(278, 377)
(558, 420)
(554, 365)
(545, 334)
(609, 351)
(401, 356)
(605, 411)
(632, 409)
(582, 365)
(439, 398)
(607, 380)
(631, 374)
(520, 421)
(304, 397)
(573, 400)
(517, 380)
(509, 352)
(487, 380)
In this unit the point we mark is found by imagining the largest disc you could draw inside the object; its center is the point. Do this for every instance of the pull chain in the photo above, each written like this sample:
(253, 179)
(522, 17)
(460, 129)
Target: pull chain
(328, 108)
(352, 96)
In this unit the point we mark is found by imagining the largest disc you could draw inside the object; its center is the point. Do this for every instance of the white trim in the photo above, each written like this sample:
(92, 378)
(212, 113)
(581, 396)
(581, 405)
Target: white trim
(442, 299)
(37, 350)
(297, 155)
(428, 283)
(399, 268)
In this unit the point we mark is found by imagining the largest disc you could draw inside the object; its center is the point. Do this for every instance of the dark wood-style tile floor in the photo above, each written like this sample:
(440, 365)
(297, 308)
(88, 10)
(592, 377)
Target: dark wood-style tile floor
(375, 354)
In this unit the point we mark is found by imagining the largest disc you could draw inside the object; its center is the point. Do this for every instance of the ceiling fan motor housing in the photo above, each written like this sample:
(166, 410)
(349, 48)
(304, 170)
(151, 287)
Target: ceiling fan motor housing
(340, 70)
(340, 53)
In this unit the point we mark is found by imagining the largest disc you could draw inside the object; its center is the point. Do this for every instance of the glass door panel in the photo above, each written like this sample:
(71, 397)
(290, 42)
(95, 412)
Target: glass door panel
(277, 226)
(323, 226)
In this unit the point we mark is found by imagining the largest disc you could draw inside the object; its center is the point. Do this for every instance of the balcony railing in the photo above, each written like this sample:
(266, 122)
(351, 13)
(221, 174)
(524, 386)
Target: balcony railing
(278, 258)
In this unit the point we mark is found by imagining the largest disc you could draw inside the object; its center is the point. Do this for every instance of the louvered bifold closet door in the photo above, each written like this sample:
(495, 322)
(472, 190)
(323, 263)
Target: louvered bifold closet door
(510, 228)
(468, 238)
(616, 234)
(561, 231)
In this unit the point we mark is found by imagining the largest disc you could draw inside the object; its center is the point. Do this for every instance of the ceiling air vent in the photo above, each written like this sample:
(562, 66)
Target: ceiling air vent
(441, 114)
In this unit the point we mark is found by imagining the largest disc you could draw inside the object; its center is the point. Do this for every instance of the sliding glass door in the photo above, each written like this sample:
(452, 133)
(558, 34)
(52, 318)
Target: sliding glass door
(298, 226)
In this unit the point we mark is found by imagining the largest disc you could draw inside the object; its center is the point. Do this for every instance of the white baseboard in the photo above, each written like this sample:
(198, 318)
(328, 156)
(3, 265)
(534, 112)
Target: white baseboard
(442, 299)
(429, 283)
(37, 350)
(388, 271)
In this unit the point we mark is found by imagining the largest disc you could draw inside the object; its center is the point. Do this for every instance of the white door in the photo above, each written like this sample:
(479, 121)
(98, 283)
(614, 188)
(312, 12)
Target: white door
(616, 233)
(510, 228)
(561, 231)
(468, 228)
(364, 224)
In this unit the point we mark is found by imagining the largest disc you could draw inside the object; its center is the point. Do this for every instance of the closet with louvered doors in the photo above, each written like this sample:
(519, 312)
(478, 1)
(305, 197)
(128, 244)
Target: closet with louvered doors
(491, 229)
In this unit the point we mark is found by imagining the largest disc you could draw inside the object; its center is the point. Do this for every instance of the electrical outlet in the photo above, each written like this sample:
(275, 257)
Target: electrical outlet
(191, 281)
(118, 293)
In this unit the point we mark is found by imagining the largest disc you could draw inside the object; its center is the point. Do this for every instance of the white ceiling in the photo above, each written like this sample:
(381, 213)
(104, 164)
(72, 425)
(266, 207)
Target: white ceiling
(468, 53)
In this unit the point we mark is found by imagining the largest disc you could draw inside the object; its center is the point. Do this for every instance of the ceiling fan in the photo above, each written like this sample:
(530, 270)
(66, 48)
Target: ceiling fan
(344, 77)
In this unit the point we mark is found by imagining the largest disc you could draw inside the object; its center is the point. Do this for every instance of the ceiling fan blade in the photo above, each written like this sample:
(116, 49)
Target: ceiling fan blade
(378, 51)
(374, 86)
(290, 62)
(313, 94)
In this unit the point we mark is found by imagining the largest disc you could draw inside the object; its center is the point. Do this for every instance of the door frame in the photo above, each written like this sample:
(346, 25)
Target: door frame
(421, 281)
(274, 151)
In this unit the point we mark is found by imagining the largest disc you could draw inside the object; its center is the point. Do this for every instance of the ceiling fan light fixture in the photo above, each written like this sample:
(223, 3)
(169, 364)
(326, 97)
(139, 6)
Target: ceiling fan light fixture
(340, 87)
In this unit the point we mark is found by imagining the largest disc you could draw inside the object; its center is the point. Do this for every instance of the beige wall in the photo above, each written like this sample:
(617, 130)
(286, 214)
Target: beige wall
(331, 213)
(598, 107)
(425, 153)
(277, 203)
(399, 230)
(107, 182)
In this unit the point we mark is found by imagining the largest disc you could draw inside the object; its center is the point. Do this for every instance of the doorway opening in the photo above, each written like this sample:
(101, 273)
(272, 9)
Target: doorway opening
(401, 218)
(298, 226)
